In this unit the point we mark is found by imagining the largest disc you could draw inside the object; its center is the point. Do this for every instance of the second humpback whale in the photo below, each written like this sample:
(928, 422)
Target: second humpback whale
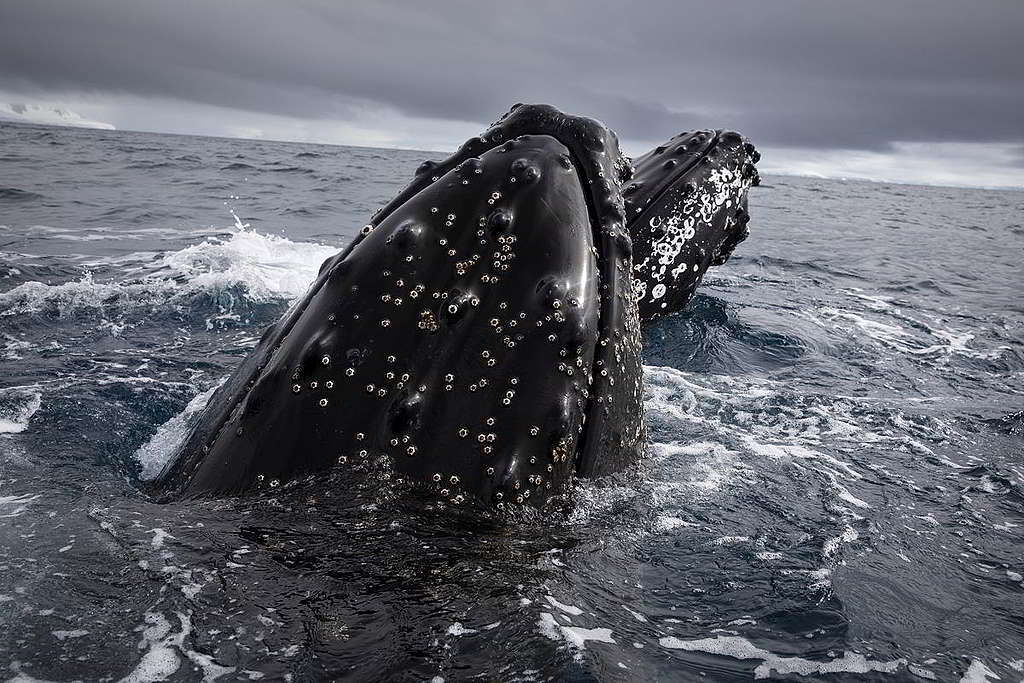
(480, 337)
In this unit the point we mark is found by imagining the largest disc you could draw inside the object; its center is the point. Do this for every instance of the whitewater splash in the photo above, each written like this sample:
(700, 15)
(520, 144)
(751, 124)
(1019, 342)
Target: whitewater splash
(262, 267)
(153, 454)
(268, 266)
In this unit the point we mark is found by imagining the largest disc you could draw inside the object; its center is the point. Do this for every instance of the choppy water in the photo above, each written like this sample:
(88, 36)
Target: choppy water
(835, 488)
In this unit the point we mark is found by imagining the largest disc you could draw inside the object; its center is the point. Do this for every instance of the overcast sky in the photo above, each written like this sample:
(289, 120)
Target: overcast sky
(911, 90)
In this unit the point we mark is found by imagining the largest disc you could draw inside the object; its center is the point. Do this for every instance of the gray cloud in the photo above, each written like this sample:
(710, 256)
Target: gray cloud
(804, 73)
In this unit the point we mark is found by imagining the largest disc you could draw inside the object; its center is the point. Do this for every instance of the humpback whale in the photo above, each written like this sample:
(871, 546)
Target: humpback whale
(480, 337)
(686, 206)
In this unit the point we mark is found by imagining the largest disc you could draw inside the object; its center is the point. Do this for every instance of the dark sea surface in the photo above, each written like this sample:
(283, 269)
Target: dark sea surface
(834, 489)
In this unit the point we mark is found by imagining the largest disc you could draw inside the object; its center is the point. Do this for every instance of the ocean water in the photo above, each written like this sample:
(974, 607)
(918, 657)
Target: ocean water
(834, 489)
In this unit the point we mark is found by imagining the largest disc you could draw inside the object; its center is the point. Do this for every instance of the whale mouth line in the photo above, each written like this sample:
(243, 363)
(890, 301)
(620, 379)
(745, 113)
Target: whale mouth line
(602, 320)
(670, 180)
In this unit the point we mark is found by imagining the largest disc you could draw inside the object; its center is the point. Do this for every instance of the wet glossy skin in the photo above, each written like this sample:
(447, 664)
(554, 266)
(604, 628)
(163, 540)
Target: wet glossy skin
(479, 338)
(687, 210)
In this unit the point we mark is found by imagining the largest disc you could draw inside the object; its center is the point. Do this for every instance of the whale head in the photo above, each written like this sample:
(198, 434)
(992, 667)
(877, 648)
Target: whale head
(479, 338)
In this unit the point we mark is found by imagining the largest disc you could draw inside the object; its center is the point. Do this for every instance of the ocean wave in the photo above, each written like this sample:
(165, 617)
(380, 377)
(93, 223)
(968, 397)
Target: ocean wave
(272, 168)
(13, 194)
(741, 648)
(262, 268)
(81, 233)
(150, 164)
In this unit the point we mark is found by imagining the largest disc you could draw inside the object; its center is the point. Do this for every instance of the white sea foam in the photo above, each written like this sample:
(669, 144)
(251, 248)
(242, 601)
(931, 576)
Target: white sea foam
(568, 609)
(159, 536)
(163, 647)
(731, 540)
(17, 406)
(636, 615)
(736, 428)
(575, 636)
(668, 522)
(708, 465)
(457, 629)
(159, 642)
(878, 303)
(745, 426)
(74, 633)
(85, 293)
(785, 435)
(921, 672)
(833, 544)
(741, 648)
(892, 334)
(977, 672)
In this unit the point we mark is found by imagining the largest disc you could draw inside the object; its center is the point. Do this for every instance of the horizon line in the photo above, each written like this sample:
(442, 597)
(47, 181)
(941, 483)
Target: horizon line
(838, 178)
